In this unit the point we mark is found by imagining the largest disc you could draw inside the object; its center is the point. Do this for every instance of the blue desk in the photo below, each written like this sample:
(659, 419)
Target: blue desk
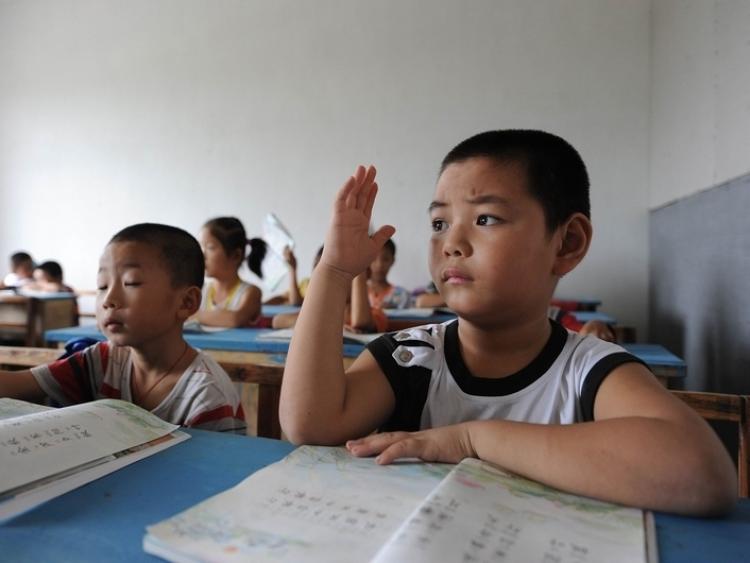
(230, 340)
(576, 303)
(586, 316)
(662, 362)
(397, 318)
(105, 520)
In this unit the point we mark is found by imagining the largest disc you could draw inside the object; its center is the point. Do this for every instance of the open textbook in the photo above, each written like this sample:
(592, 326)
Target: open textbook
(324, 505)
(45, 452)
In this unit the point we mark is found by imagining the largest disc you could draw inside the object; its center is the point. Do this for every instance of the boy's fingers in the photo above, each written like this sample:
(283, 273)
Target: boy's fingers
(374, 444)
(370, 174)
(408, 447)
(383, 234)
(364, 196)
(353, 193)
(343, 195)
(370, 200)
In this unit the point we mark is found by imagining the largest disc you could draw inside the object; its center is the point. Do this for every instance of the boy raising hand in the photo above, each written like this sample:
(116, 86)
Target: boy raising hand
(503, 382)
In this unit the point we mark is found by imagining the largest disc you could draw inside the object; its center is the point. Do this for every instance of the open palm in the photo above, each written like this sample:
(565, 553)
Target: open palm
(349, 247)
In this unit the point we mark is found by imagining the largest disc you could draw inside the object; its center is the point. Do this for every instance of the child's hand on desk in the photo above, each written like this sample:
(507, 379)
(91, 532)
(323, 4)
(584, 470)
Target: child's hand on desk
(349, 248)
(449, 444)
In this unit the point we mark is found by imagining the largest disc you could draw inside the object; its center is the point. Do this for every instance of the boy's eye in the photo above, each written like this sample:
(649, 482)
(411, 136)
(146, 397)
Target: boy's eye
(488, 220)
(132, 284)
(101, 287)
(438, 225)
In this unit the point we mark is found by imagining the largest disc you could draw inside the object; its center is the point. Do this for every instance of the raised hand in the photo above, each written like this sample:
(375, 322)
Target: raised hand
(349, 248)
(290, 258)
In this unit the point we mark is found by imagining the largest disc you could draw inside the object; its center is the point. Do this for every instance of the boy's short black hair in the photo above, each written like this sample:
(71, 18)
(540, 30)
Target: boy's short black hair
(180, 251)
(18, 259)
(53, 270)
(556, 173)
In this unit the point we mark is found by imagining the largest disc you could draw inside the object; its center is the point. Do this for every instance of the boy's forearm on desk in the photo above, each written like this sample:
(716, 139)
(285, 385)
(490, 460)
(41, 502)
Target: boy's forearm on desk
(20, 385)
(637, 461)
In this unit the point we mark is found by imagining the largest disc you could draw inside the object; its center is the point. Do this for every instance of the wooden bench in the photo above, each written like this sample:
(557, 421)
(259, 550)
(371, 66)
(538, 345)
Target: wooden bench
(731, 408)
(266, 376)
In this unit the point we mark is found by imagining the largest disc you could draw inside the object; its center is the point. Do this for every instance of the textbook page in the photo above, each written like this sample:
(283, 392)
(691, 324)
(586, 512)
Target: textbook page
(10, 408)
(22, 499)
(481, 513)
(42, 444)
(318, 504)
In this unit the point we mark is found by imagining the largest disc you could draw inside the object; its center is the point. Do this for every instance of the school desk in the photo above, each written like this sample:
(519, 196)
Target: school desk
(249, 349)
(398, 319)
(26, 317)
(586, 316)
(576, 303)
(105, 520)
(246, 341)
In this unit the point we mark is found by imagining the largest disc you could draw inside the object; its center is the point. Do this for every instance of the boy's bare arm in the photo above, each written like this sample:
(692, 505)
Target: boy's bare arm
(319, 402)
(646, 449)
(20, 385)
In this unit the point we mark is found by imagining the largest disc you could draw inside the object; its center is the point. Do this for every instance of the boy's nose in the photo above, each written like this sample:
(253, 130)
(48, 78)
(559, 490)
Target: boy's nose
(110, 299)
(455, 243)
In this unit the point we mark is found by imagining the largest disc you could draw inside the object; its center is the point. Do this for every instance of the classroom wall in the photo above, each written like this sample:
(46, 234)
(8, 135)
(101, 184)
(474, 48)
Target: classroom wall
(178, 110)
(700, 122)
(700, 189)
(700, 303)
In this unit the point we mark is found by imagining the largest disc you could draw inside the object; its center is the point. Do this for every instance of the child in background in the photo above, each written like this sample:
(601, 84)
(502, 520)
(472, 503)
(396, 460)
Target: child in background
(359, 315)
(296, 292)
(48, 277)
(381, 292)
(21, 270)
(149, 283)
(503, 382)
(228, 301)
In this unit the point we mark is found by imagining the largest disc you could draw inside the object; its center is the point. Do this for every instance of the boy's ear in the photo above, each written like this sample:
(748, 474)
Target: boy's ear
(191, 302)
(574, 240)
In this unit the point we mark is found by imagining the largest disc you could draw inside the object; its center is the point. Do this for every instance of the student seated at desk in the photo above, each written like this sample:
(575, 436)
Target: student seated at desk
(503, 382)
(149, 283)
(382, 293)
(431, 298)
(359, 315)
(48, 277)
(229, 301)
(21, 271)
(296, 292)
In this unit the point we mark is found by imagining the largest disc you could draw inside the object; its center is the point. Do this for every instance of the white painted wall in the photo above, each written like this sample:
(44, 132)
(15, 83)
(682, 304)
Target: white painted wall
(700, 126)
(179, 110)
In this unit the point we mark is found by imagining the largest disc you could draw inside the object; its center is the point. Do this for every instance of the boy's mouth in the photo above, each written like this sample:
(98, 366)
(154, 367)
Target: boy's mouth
(456, 276)
(113, 325)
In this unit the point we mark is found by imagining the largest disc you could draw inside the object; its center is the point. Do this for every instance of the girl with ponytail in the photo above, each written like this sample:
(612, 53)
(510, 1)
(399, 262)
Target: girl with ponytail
(229, 301)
